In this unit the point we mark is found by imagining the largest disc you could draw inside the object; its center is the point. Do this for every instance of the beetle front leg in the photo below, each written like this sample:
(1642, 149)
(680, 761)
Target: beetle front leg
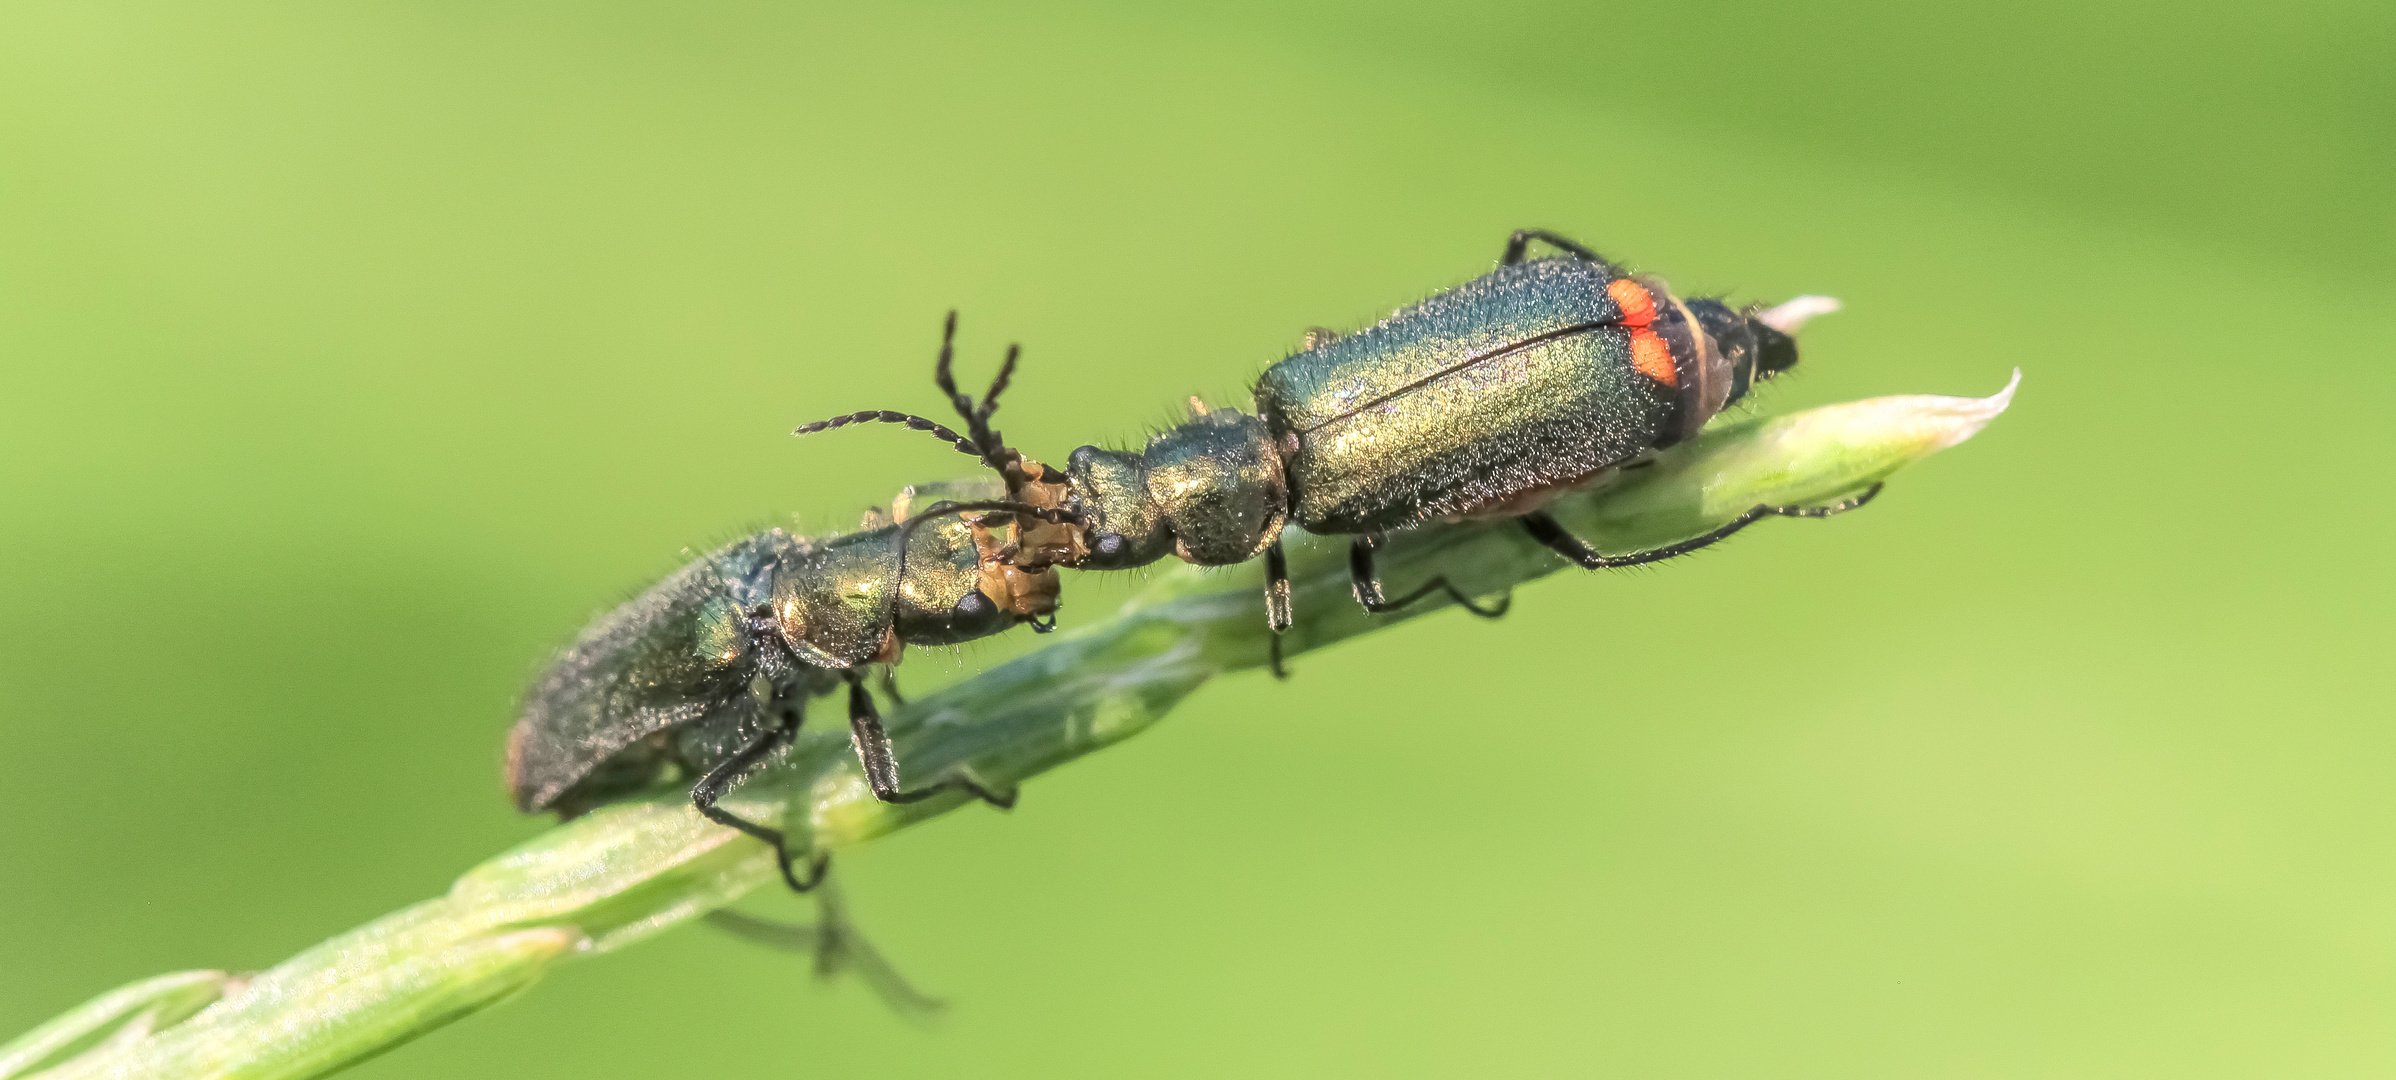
(1278, 614)
(881, 766)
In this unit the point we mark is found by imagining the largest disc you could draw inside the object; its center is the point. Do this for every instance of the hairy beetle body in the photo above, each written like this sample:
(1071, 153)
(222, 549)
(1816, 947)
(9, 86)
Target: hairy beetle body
(1485, 400)
(1523, 379)
(710, 670)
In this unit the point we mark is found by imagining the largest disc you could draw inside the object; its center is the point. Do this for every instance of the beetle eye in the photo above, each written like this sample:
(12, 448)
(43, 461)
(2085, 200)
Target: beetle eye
(974, 614)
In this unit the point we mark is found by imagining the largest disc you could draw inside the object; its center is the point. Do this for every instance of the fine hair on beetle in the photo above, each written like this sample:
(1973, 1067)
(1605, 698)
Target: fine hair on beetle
(708, 673)
(1486, 400)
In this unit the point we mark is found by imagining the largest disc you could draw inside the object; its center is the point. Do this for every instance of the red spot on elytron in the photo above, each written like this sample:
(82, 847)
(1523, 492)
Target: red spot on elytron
(1649, 354)
(1652, 357)
(1638, 308)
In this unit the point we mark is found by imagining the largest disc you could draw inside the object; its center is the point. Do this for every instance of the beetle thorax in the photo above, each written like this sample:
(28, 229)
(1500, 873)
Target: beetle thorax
(1210, 491)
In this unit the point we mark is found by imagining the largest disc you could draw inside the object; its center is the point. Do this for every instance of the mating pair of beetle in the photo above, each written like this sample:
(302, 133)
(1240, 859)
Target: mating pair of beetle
(1487, 400)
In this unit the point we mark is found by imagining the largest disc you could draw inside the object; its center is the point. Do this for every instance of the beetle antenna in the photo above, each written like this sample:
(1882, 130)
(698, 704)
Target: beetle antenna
(942, 376)
(991, 446)
(979, 441)
(945, 377)
(998, 455)
(884, 416)
(1006, 372)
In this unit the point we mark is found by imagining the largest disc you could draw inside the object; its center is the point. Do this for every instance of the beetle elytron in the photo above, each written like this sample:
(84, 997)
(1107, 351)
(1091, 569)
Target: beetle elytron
(1487, 400)
(710, 670)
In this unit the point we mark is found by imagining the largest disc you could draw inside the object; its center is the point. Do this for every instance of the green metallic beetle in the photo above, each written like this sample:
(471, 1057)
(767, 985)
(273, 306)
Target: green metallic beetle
(709, 671)
(1487, 400)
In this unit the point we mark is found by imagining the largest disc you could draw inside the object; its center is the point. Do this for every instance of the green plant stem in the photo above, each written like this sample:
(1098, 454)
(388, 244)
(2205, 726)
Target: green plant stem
(121, 1016)
(629, 870)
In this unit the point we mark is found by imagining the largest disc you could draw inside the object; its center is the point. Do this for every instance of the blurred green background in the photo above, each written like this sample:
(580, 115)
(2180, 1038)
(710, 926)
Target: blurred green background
(352, 355)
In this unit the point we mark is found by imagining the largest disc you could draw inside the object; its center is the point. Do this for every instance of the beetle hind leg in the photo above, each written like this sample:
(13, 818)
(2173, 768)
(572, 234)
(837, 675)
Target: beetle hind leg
(1548, 531)
(1840, 507)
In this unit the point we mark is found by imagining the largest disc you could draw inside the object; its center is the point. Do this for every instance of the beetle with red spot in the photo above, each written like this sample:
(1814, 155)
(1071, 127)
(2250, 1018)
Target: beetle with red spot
(1486, 400)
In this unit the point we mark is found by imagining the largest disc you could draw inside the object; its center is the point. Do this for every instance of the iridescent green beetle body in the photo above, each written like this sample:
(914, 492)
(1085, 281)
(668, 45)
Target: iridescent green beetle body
(665, 678)
(1486, 400)
(1483, 400)
(709, 671)
(1518, 381)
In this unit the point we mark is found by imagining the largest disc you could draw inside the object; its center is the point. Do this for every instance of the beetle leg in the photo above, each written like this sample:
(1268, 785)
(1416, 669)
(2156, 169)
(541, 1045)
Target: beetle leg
(1545, 529)
(881, 766)
(1518, 243)
(1367, 584)
(1840, 507)
(1277, 602)
(712, 786)
(890, 685)
(1277, 588)
(837, 947)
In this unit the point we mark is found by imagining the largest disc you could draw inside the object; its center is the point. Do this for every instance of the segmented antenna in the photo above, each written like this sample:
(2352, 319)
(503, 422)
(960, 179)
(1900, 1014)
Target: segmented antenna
(884, 416)
(980, 440)
(977, 417)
